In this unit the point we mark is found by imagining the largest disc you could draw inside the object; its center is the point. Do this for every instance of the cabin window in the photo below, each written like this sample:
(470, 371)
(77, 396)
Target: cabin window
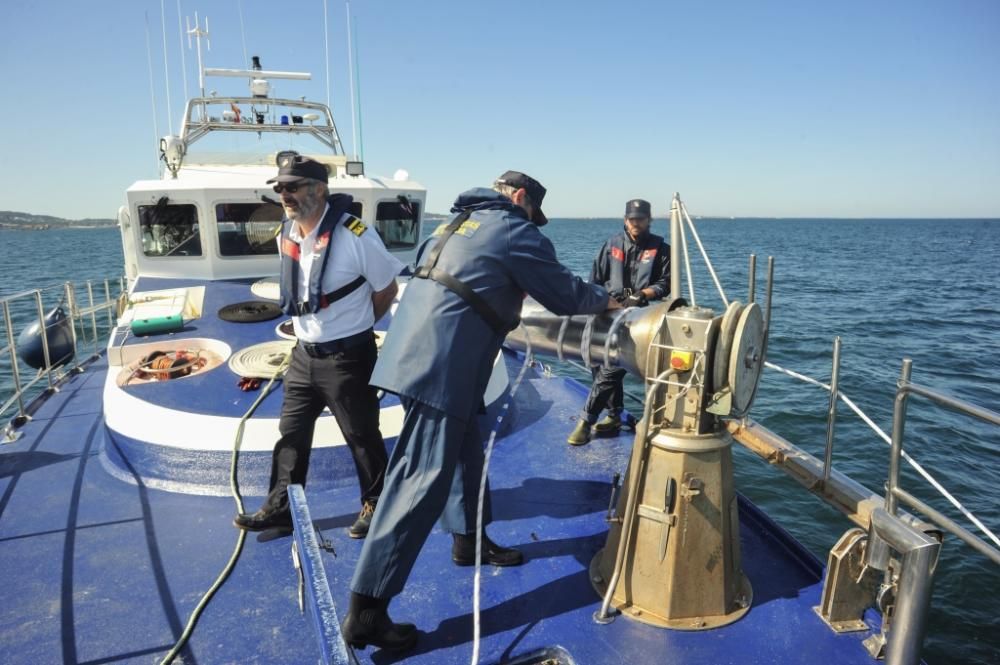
(248, 229)
(397, 223)
(170, 229)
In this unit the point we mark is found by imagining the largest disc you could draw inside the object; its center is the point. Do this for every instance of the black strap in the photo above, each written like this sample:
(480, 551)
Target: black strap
(328, 299)
(429, 271)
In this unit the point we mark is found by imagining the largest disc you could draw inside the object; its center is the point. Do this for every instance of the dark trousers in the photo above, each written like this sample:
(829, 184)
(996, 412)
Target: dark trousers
(434, 472)
(339, 381)
(606, 392)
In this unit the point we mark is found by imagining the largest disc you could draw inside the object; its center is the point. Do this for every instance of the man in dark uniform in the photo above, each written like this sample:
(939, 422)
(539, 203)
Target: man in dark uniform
(466, 296)
(337, 279)
(634, 266)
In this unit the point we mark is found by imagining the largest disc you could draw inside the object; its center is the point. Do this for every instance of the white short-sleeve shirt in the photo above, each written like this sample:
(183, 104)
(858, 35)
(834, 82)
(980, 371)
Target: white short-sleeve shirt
(350, 255)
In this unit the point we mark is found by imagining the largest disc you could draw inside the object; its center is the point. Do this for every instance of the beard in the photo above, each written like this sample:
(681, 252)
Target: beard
(306, 208)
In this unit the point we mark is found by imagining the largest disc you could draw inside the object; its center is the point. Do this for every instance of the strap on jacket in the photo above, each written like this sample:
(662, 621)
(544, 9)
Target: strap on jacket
(429, 271)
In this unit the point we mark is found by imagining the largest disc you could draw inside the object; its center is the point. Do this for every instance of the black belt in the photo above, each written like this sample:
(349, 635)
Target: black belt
(323, 349)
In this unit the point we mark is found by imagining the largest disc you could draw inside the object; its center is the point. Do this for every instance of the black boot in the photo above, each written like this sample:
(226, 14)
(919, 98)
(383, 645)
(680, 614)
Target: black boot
(368, 622)
(463, 552)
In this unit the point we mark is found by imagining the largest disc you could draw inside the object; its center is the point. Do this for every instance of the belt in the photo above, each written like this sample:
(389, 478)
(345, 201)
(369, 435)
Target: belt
(323, 349)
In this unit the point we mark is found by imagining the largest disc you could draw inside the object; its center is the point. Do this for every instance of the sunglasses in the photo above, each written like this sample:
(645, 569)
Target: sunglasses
(290, 187)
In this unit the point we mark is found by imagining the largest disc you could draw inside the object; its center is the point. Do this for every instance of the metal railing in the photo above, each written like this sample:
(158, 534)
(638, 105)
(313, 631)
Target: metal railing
(895, 494)
(89, 321)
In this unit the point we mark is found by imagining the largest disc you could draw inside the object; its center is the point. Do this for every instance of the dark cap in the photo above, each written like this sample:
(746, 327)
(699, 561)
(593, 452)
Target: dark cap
(292, 167)
(535, 191)
(638, 209)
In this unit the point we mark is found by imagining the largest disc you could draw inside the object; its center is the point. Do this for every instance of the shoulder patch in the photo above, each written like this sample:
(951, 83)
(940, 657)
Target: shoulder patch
(355, 226)
(467, 229)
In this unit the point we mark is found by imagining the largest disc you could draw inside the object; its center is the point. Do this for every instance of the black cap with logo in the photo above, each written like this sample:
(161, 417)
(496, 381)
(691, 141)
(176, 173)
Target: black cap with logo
(535, 191)
(293, 166)
(638, 209)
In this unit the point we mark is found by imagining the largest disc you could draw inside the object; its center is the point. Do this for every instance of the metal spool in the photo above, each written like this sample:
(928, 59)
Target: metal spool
(747, 359)
(251, 311)
(268, 288)
(724, 345)
(260, 360)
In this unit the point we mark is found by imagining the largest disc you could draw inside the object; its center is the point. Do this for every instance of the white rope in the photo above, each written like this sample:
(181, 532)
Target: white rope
(885, 437)
(704, 255)
(482, 493)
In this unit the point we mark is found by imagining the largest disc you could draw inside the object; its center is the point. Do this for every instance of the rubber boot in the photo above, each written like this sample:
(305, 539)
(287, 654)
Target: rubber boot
(580, 435)
(610, 425)
(368, 622)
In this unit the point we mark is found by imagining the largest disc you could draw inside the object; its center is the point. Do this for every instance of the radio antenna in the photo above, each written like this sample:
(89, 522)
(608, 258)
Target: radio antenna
(152, 90)
(166, 66)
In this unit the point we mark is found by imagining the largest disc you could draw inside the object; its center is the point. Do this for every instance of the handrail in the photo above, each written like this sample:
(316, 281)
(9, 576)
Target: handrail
(885, 437)
(894, 493)
(81, 316)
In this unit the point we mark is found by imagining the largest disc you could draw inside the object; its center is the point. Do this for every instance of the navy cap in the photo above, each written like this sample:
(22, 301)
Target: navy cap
(535, 191)
(638, 209)
(293, 166)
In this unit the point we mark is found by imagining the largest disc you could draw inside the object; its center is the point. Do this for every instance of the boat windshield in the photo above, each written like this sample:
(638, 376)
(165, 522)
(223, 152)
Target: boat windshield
(248, 229)
(170, 229)
(396, 223)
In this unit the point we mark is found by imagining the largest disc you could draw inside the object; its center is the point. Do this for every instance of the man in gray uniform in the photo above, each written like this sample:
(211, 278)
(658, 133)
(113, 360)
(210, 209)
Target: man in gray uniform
(466, 296)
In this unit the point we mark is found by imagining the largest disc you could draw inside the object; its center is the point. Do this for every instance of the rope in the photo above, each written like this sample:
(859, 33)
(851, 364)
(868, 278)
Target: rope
(235, 489)
(476, 581)
(704, 255)
(885, 437)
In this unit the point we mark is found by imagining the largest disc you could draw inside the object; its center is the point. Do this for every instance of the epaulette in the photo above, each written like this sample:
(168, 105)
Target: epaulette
(355, 225)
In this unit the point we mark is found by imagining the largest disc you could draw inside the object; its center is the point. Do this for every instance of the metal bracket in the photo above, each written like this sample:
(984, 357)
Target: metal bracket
(849, 587)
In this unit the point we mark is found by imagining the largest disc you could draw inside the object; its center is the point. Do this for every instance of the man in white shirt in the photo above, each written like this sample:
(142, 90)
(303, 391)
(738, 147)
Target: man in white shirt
(337, 280)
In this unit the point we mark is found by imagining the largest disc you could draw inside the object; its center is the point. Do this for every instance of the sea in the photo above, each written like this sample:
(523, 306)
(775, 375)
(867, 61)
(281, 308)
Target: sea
(928, 290)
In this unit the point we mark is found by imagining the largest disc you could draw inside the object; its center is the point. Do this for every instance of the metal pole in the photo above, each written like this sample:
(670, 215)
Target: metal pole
(675, 246)
(898, 421)
(93, 313)
(753, 279)
(45, 337)
(13, 358)
(107, 304)
(831, 413)
(71, 303)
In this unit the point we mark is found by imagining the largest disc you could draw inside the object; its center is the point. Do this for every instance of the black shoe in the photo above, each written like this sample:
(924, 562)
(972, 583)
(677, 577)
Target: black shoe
(264, 519)
(463, 552)
(360, 527)
(368, 622)
(580, 434)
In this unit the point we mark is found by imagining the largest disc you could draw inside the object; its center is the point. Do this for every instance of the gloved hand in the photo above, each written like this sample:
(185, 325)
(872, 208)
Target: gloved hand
(637, 299)
(620, 296)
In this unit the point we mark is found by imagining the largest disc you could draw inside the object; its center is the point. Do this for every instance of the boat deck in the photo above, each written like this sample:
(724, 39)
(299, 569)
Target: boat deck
(97, 570)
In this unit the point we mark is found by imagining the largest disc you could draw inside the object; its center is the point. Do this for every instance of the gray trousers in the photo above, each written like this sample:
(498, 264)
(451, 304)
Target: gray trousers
(434, 471)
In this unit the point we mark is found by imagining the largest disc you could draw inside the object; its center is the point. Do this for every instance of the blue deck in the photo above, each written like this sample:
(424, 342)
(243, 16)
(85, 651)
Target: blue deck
(97, 570)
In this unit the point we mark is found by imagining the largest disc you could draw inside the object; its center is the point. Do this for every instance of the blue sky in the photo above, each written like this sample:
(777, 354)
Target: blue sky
(853, 109)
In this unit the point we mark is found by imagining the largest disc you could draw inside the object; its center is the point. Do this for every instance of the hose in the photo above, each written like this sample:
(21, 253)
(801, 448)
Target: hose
(235, 489)
(476, 583)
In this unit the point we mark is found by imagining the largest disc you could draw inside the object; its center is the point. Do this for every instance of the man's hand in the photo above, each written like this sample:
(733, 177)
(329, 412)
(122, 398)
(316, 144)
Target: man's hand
(637, 299)
(612, 304)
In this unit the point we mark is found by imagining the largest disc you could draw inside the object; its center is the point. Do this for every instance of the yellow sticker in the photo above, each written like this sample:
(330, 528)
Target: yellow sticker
(467, 228)
(356, 226)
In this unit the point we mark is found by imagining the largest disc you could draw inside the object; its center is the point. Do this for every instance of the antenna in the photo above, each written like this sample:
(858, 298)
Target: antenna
(350, 68)
(180, 38)
(166, 67)
(357, 83)
(326, 51)
(198, 34)
(243, 36)
(152, 90)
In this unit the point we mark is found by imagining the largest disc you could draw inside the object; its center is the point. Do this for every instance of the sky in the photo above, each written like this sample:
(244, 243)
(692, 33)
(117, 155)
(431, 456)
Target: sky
(770, 109)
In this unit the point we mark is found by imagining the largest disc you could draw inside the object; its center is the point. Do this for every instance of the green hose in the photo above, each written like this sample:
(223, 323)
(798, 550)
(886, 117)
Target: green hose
(235, 489)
